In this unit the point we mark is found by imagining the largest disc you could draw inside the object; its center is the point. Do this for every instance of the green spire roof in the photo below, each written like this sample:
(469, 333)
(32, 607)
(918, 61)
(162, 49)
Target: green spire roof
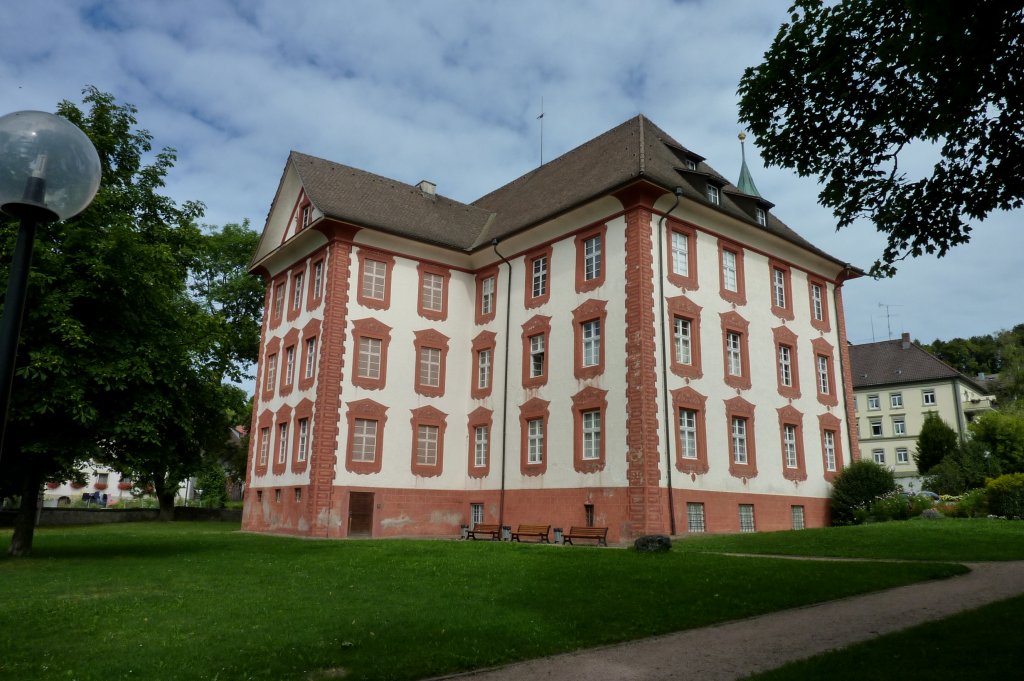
(746, 182)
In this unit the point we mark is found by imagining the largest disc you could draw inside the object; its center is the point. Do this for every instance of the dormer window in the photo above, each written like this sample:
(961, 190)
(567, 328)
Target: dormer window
(713, 194)
(307, 215)
(690, 164)
(761, 216)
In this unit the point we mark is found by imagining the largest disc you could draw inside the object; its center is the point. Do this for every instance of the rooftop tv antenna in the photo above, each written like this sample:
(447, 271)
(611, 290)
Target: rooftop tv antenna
(888, 316)
(541, 119)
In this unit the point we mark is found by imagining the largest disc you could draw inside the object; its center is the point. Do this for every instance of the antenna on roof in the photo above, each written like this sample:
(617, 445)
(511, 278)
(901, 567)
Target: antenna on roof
(541, 119)
(888, 317)
(746, 181)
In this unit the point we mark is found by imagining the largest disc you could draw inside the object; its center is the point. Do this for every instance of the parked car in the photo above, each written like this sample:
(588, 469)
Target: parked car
(928, 493)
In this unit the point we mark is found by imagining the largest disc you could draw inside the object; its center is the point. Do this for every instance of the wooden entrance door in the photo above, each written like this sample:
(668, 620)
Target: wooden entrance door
(360, 514)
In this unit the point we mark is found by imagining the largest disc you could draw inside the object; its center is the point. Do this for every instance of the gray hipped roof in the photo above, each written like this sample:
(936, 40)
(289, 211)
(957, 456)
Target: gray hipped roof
(637, 149)
(899, 361)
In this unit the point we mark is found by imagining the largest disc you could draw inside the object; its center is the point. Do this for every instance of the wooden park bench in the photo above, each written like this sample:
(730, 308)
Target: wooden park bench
(492, 532)
(598, 533)
(539, 531)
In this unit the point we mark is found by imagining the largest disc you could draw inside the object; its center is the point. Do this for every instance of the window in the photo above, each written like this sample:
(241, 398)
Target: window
(374, 289)
(899, 426)
(876, 428)
(760, 216)
(873, 403)
(278, 299)
(797, 516)
(779, 288)
(592, 258)
(303, 445)
(318, 278)
(426, 445)
(592, 434)
(369, 365)
(896, 400)
(786, 366)
(483, 369)
(433, 293)
(533, 416)
(694, 517)
(823, 378)
(680, 254)
(289, 366)
(364, 441)
(928, 397)
(298, 494)
(431, 349)
(535, 335)
(307, 215)
(688, 433)
(789, 445)
(739, 440)
(817, 291)
(825, 369)
(730, 279)
(829, 438)
(588, 514)
(277, 496)
(271, 371)
(481, 446)
(375, 275)
(297, 291)
(282, 452)
(264, 445)
(483, 361)
(684, 316)
(591, 343)
(746, 517)
(902, 456)
(535, 441)
(487, 296)
(590, 252)
(476, 514)
(681, 328)
(879, 455)
(310, 357)
(538, 279)
(735, 350)
(259, 496)
(713, 194)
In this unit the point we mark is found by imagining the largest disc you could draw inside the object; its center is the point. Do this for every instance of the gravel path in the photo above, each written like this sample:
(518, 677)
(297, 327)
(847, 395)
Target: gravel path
(736, 649)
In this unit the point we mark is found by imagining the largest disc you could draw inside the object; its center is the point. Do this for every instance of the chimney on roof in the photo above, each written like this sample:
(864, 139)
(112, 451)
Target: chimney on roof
(427, 187)
(905, 341)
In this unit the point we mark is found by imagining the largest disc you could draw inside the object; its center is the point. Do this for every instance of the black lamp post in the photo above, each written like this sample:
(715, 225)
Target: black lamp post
(49, 170)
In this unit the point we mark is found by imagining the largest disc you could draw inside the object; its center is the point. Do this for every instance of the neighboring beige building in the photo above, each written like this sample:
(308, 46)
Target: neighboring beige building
(895, 385)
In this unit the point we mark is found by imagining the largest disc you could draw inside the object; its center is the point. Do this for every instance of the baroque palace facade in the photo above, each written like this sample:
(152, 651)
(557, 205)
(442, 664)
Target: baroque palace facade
(619, 338)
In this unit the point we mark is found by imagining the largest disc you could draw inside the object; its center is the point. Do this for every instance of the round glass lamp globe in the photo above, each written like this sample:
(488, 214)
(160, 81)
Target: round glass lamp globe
(49, 168)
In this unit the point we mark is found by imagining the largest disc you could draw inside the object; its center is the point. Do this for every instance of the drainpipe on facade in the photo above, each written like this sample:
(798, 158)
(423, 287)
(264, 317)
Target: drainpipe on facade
(504, 396)
(664, 363)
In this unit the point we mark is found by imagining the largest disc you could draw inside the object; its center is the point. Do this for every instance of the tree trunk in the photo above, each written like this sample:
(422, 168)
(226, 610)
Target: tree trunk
(166, 500)
(25, 521)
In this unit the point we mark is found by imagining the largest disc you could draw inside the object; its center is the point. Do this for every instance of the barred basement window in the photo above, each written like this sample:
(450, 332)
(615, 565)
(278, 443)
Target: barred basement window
(797, 514)
(694, 517)
(746, 517)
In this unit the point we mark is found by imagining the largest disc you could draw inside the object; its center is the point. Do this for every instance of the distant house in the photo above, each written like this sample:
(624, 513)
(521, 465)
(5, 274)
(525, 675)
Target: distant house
(896, 384)
(100, 483)
(619, 338)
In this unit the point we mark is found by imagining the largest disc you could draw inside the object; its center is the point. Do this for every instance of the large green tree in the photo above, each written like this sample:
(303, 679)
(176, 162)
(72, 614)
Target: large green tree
(119, 360)
(848, 89)
(935, 442)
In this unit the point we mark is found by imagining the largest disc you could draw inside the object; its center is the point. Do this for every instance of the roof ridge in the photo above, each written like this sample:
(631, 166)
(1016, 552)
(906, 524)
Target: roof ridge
(643, 158)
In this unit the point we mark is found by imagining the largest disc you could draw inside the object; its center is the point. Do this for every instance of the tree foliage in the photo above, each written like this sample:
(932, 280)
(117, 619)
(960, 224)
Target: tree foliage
(849, 89)
(935, 442)
(856, 487)
(120, 361)
(1001, 353)
(1001, 435)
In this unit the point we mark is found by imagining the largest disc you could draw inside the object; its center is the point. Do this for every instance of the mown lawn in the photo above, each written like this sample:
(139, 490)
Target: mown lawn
(203, 601)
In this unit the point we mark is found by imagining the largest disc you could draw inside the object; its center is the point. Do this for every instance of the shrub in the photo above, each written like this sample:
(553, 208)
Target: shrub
(973, 504)
(856, 488)
(890, 506)
(1006, 495)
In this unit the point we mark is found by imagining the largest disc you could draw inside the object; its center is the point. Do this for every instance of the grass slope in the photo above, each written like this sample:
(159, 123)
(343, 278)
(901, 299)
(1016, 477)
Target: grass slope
(201, 601)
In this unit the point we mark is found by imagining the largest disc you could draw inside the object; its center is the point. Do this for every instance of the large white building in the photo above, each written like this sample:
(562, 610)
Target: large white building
(619, 338)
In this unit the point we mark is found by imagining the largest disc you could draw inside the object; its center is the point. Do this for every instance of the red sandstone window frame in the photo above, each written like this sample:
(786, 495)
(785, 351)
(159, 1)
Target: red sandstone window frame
(830, 423)
(303, 413)
(485, 341)
(737, 407)
(529, 299)
(588, 312)
(371, 329)
(316, 284)
(298, 280)
(429, 340)
(308, 374)
(264, 443)
(681, 307)
(822, 324)
(365, 255)
(739, 296)
(590, 399)
(734, 324)
(785, 338)
(790, 417)
(288, 375)
(777, 268)
(687, 398)
(538, 325)
(823, 350)
(584, 284)
(428, 417)
(481, 277)
(480, 417)
(688, 281)
(366, 410)
(278, 295)
(534, 409)
(428, 269)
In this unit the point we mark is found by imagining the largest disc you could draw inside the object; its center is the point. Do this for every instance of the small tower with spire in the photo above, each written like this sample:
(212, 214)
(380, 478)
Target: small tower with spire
(746, 182)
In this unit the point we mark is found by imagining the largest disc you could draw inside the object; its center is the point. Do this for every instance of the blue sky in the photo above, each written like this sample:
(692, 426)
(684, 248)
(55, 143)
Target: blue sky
(450, 91)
